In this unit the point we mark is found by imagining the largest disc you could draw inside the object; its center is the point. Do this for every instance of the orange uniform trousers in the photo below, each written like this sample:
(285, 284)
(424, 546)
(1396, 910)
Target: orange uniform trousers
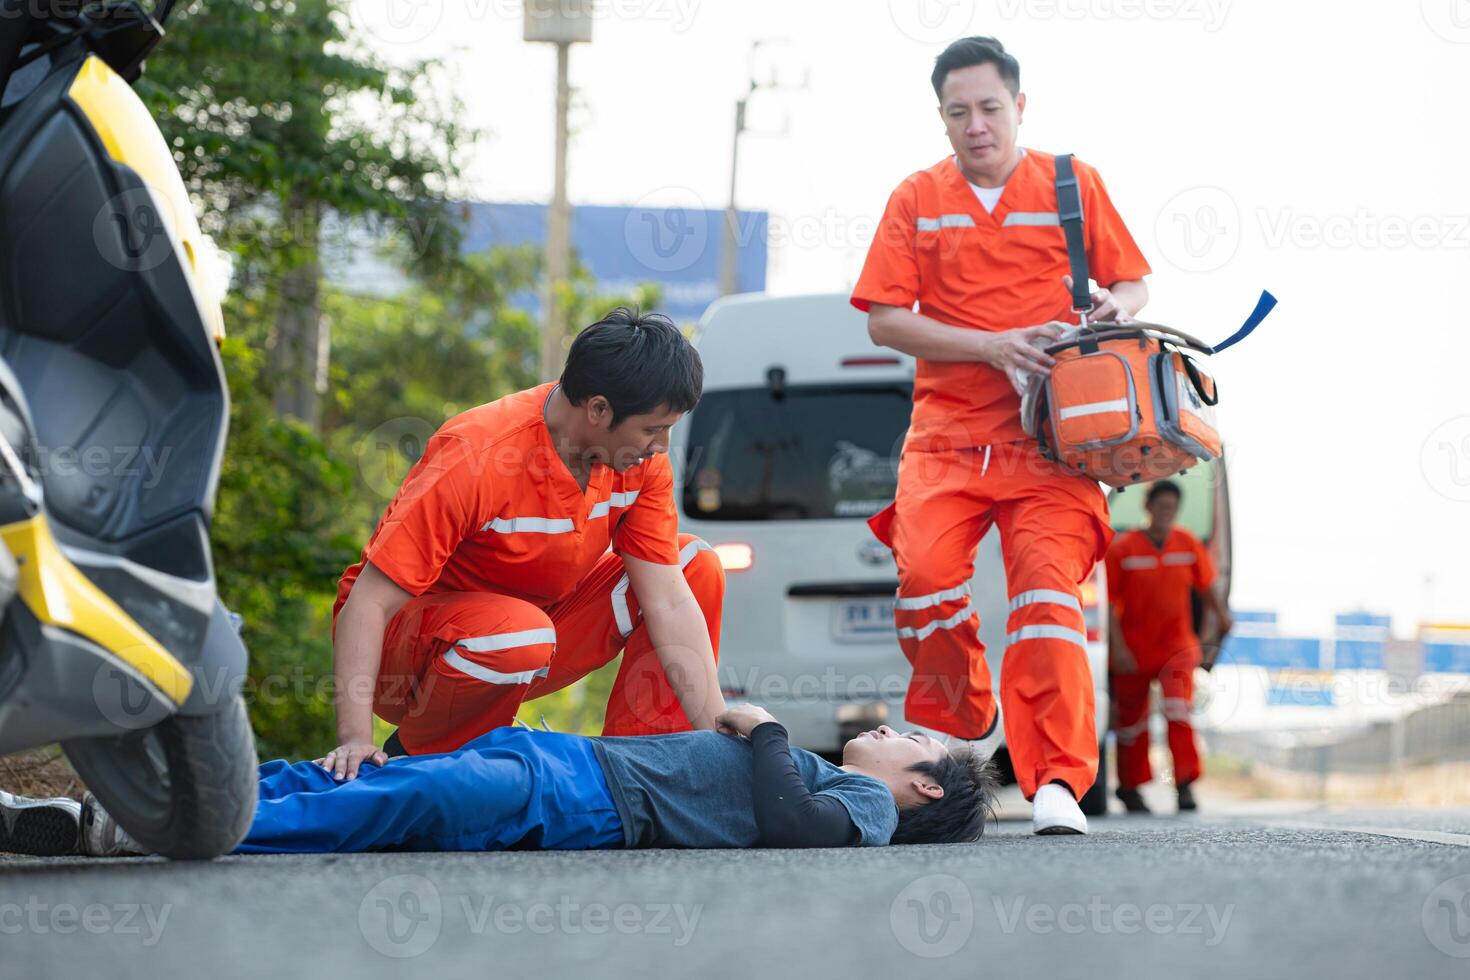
(1053, 530)
(457, 664)
(1172, 665)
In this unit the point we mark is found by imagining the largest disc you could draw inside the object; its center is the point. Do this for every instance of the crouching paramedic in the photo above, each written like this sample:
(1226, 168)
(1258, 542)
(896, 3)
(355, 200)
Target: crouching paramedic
(975, 242)
(489, 579)
(1153, 574)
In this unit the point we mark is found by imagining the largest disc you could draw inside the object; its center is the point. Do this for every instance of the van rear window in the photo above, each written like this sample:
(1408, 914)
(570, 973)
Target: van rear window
(808, 452)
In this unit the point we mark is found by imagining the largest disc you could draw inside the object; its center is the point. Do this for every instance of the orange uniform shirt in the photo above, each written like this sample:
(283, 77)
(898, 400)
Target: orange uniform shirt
(1152, 587)
(937, 246)
(490, 507)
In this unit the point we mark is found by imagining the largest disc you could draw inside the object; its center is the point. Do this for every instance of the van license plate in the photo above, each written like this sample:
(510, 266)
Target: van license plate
(859, 620)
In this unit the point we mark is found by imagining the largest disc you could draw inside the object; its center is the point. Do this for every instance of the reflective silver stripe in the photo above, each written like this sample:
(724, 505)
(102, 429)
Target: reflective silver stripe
(934, 598)
(1179, 558)
(1034, 596)
(504, 641)
(1128, 734)
(453, 659)
(691, 549)
(945, 221)
(1032, 218)
(1140, 561)
(1094, 408)
(622, 615)
(601, 508)
(922, 632)
(1177, 709)
(1046, 631)
(529, 525)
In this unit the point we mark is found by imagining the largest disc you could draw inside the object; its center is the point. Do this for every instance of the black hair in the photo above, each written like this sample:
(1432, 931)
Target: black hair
(968, 51)
(638, 361)
(1163, 486)
(959, 816)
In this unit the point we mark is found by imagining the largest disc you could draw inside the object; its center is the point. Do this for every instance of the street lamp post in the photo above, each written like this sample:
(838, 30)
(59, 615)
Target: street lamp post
(563, 23)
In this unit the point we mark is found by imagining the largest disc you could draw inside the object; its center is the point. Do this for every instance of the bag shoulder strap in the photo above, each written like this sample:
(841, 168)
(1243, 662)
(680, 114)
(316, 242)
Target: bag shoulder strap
(1069, 214)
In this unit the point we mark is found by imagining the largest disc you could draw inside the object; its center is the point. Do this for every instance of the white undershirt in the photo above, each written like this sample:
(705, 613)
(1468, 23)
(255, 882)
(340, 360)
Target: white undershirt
(989, 196)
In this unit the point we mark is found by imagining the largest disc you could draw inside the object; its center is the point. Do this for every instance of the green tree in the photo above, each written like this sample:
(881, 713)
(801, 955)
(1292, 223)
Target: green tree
(286, 130)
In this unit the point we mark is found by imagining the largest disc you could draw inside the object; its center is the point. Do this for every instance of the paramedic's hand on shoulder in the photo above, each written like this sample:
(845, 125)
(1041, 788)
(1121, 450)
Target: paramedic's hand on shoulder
(742, 720)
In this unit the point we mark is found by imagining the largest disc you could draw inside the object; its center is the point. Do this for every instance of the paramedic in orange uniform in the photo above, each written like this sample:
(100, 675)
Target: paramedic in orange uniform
(976, 243)
(1153, 574)
(490, 579)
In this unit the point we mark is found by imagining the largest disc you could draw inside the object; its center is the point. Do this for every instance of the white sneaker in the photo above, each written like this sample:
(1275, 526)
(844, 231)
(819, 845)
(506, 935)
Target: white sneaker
(1055, 811)
(42, 827)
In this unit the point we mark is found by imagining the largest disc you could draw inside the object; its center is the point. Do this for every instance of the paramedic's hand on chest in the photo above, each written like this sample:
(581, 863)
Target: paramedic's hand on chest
(742, 719)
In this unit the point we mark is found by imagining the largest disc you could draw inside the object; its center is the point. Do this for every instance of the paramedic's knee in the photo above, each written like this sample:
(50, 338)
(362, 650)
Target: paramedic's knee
(702, 570)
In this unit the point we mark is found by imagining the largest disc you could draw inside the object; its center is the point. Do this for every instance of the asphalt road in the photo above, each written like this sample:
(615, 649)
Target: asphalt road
(1243, 891)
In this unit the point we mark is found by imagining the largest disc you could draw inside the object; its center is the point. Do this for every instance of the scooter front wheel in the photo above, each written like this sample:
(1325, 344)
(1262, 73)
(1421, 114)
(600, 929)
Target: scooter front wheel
(185, 788)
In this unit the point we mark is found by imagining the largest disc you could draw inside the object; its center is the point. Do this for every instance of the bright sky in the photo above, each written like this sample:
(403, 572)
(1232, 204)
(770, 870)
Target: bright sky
(1310, 148)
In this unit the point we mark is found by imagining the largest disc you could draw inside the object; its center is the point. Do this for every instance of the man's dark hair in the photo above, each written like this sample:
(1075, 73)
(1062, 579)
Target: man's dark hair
(638, 361)
(968, 51)
(1162, 487)
(959, 816)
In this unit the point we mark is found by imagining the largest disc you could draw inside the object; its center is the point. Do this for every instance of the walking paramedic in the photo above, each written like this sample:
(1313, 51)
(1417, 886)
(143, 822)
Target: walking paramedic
(975, 241)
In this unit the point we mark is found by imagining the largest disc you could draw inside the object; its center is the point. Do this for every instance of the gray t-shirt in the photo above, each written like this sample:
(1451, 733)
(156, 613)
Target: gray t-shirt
(693, 789)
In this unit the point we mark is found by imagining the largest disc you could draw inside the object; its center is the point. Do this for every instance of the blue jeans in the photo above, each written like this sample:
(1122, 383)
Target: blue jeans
(509, 788)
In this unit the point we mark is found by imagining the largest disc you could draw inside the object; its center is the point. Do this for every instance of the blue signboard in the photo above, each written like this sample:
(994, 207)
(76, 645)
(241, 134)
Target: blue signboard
(625, 247)
(1253, 616)
(1446, 657)
(1276, 652)
(1359, 654)
(1363, 619)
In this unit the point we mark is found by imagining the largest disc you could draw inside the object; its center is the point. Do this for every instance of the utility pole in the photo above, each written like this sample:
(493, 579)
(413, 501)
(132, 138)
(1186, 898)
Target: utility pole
(563, 23)
(729, 256)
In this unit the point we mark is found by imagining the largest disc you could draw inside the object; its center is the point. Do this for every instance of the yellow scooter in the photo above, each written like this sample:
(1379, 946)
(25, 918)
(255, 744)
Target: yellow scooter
(113, 415)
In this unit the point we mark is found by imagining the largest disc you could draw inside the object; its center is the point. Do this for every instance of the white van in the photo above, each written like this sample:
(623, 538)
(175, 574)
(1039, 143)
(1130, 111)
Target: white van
(794, 444)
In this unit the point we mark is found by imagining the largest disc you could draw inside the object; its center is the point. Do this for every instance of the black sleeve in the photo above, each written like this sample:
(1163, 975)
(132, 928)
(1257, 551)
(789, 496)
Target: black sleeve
(786, 812)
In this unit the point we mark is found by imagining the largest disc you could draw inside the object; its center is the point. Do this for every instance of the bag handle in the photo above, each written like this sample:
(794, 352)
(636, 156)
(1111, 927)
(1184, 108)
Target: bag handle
(1069, 214)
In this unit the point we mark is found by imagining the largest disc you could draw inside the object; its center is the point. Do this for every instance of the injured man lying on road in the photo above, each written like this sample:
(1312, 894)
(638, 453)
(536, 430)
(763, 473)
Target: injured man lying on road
(520, 788)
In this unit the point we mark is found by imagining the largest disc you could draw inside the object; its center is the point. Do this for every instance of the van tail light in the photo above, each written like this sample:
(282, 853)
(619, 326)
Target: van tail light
(735, 557)
(1093, 611)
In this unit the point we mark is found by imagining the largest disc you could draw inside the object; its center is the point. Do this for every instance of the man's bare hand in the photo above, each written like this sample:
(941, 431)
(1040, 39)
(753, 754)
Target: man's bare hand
(1105, 306)
(344, 760)
(1019, 352)
(741, 720)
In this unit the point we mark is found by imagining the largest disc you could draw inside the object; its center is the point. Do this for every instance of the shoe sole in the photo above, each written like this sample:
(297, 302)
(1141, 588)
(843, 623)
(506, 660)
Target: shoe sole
(1049, 831)
(40, 831)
